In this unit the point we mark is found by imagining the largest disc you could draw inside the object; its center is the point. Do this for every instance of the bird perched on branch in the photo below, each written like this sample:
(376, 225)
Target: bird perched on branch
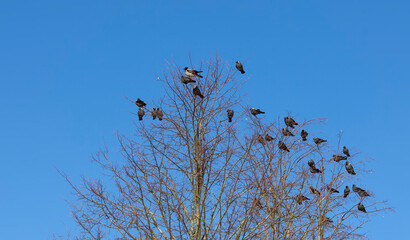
(154, 113)
(304, 134)
(346, 192)
(361, 208)
(312, 167)
(268, 138)
(300, 198)
(318, 140)
(159, 114)
(326, 220)
(332, 190)
(349, 168)
(282, 146)
(314, 190)
(197, 92)
(290, 122)
(140, 103)
(361, 192)
(192, 73)
(261, 140)
(338, 158)
(346, 151)
(141, 113)
(239, 67)
(230, 114)
(255, 112)
(286, 132)
(186, 80)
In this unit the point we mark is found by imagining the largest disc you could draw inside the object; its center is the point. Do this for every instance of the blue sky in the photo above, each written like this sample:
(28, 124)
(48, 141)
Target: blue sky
(65, 68)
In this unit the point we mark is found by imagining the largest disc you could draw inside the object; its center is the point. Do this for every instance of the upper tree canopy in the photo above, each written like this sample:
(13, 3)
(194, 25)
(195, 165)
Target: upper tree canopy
(214, 167)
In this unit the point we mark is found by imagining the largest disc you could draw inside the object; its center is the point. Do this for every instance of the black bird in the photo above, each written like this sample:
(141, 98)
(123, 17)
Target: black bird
(282, 146)
(312, 167)
(346, 192)
(261, 140)
(286, 132)
(268, 138)
(290, 122)
(300, 198)
(361, 192)
(230, 114)
(160, 114)
(315, 170)
(314, 190)
(186, 80)
(304, 134)
(332, 190)
(197, 92)
(140, 103)
(349, 168)
(192, 73)
(338, 158)
(346, 151)
(361, 208)
(318, 140)
(154, 113)
(311, 163)
(239, 67)
(141, 113)
(255, 112)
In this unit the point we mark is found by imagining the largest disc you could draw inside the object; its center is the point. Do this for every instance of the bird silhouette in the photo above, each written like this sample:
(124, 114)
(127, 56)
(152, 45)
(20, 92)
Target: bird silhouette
(268, 138)
(300, 198)
(159, 114)
(315, 170)
(361, 208)
(349, 168)
(332, 190)
(282, 146)
(286, 132)
(304, 134)
(192, 73)
(290, 122)
(239, 67)
(318, 140)
(154, 113)
(338, 158)
(326, 220)
(255, 112)
(311, 163)
(346, 192)
(186, 80)
(230, 114)
(346, 151)
(314, 190)
(197, 92)
(141, 113)
(261, 140)
(140, 103)
(361, 192)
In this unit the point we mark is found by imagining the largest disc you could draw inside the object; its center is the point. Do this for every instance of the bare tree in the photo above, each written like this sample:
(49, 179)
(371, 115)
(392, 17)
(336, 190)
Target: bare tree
(195, 175)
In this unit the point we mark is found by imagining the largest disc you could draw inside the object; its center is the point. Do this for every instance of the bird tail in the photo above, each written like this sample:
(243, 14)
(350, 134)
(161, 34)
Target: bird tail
(199, 75)
(230, 120)
(242, 71)
(304, 139)
(160, 118)
(140, 118)
(153, 117)
(201, 96)
(288, 150)
(262, 112)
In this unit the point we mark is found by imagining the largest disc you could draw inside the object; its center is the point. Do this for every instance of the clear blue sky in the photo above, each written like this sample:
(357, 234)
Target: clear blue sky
(65, 67)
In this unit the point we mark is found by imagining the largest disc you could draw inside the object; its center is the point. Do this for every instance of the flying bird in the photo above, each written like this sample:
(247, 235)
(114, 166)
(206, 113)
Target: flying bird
(361, 208)
(349, 168)
(255, 112)
(197, 92)
(154, 113)
(300, 198)
(303, 134)
(338, 158)
(286, 132)
(141, 113)
(268, 138)
(239, 67)
(186, 80)
(346, 192)
(314, 190)
(159, 114)
(192, 73)
(230, 114)
(346, 151)
(282, 146)
(318, 140)
(332, 190)
(140, 103)
(290, 122)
